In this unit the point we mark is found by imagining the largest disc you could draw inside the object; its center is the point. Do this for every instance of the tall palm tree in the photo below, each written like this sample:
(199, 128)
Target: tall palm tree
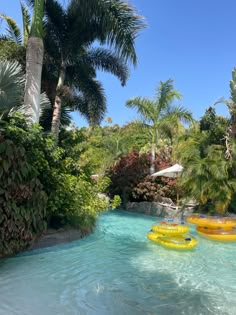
(230, 136)
(73, 30)
(80, 91)
(160, 114)
(34, 63)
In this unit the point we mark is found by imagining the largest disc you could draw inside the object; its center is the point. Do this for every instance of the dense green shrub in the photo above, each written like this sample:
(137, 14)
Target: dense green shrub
(82, 200)
(72, 195)
(22, 200)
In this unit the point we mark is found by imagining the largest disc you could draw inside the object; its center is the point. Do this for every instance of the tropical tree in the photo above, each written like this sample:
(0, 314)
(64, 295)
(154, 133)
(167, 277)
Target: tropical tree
(34, 62)
(160, 115)
(207, 173)
(81, 91)
(230, 136)
(71, 33)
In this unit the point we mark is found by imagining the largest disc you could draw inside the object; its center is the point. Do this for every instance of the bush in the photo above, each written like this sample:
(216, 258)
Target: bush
(131, 180)
(72, 196)
(79, 201)
(153, 189)
(22, 200)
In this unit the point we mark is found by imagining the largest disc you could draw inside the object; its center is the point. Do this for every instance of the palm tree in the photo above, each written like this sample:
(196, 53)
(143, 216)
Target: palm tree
(34, 62)
(73, 30)
(159, 115)
(206, 175)
(230, 136)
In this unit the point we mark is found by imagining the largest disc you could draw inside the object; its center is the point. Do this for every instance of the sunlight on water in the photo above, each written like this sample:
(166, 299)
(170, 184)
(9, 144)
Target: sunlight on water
(117, 271)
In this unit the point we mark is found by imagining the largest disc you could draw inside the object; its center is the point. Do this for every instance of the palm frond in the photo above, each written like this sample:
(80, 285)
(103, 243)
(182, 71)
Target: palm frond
(166, 94)
(11, 84)
(114, 22)
(26, 22)
(174, 114)
(94, 108)
(56, 21)
(144, 107)
(30, 3)
(105, 60)
(13, 30)
(37, 18)
(229, 103)
(4, 38)
(46, 116)
(123, 25)
(45, 106)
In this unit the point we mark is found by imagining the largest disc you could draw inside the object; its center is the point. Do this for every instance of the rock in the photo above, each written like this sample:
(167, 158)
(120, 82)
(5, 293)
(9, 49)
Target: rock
(158, 209)
(54, 237)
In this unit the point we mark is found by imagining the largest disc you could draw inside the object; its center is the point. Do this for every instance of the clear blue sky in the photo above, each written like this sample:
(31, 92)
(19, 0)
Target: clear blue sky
(191, 41)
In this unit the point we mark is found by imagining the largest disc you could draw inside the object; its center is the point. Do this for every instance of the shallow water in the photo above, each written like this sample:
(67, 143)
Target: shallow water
(117, 271)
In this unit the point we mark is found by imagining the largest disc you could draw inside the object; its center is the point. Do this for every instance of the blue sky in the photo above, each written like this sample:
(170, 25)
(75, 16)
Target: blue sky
(192, 42)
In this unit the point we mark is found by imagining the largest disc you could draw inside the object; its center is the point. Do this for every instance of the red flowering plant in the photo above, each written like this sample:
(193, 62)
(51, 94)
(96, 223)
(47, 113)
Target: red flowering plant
(130, 178)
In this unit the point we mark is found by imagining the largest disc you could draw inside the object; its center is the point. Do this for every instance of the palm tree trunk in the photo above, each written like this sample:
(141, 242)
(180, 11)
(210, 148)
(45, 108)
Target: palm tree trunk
(152, 167)
(56, 117)
(34, 62)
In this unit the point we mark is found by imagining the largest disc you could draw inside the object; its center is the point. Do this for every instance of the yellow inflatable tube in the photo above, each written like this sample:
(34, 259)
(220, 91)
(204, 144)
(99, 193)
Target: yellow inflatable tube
(173, 242)
(170, 229)
(218, 235)
(212, 222)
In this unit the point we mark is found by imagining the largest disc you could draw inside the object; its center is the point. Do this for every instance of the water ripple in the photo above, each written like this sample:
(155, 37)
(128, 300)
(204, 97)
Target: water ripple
(118, 271)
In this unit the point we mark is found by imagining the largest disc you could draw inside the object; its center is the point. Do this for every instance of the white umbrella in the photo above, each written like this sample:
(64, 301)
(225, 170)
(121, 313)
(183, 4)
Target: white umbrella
(172, 172)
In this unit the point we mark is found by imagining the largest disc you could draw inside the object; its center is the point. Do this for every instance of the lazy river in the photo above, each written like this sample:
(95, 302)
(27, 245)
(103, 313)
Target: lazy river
(118, 271)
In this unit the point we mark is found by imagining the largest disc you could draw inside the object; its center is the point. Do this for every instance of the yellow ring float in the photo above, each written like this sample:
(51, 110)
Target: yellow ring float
(170, 229)
(179, 242)
(213, 223)
(217, 235)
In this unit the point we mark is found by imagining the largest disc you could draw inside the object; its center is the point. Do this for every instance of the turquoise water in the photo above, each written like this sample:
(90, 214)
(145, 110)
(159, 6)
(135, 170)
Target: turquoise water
(117, 271)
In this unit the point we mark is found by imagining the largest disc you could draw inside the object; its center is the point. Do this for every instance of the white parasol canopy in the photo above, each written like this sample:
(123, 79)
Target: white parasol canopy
(172, 171)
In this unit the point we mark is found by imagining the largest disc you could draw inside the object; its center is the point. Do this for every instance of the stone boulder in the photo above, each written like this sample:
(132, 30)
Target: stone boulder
(158, 209)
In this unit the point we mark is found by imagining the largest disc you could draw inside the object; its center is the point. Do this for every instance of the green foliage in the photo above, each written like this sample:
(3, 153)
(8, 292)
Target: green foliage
(11, 85)
(10, 51)
(78, 201)
(207, 174)
(160, 116)
(22, 200)
(13, 31)
(215, 126)
(37, 19)
(73, 198)
(103, 146)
